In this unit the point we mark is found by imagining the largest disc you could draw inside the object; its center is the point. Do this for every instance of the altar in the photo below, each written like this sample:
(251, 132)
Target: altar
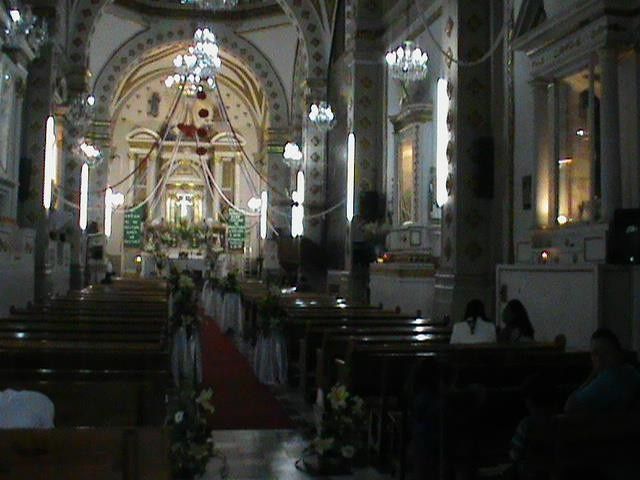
(196, 263)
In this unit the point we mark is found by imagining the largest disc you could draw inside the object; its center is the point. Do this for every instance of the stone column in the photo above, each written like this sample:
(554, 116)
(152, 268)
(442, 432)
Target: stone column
(315, 164)
(610, 176)
(278, 175)
(71, 192)
(465, 264)
(39, 102)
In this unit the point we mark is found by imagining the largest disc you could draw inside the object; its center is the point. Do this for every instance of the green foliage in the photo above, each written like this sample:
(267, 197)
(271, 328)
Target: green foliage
(230, 284)
(341, 433)
(192, 444)
(272, 315)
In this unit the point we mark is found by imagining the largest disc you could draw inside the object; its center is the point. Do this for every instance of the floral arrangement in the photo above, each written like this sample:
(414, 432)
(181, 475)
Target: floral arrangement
(192, 444)
(185, 309)
(190, 235)
(340, 436)
(271, 316)
(230, 283)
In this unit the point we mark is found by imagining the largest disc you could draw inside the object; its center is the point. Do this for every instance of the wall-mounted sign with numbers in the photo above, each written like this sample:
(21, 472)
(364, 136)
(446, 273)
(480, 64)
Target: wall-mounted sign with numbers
(133, 223)
(237, 230)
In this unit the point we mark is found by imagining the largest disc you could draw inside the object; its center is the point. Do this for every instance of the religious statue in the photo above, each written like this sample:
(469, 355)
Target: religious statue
(153, 109)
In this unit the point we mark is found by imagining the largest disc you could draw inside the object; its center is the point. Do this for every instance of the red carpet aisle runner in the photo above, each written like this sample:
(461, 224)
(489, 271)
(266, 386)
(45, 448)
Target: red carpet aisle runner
(241, 401)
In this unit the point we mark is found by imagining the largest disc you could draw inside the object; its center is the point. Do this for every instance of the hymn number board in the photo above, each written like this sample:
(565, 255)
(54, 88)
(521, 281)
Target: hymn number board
(133, 221)
(237, 230)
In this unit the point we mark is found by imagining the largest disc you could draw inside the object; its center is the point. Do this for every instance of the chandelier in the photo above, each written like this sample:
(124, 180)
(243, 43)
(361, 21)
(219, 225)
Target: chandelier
(25, 25)
(322, 116)
(408, 62)
(292, 154)
(197, 69)
(211, 4)
(80, 113)
(88, 152)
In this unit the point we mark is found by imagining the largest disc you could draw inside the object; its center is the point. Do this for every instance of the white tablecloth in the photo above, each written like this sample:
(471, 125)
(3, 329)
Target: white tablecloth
(231, 315)
(186, 357)
(270, 359)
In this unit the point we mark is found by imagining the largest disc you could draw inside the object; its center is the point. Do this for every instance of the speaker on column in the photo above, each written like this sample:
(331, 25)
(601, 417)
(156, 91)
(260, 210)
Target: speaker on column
(624, 237)
(482, 158)
(24, 178)
(371, 206)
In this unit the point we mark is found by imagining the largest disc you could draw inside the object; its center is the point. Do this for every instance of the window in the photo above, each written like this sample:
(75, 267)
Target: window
(406, 175)
(578, 146)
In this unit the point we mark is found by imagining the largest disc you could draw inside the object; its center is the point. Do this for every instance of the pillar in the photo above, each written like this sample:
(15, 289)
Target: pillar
(39, 103)
(279, 182)
(466, 269)
(611, 181)
(315, 164)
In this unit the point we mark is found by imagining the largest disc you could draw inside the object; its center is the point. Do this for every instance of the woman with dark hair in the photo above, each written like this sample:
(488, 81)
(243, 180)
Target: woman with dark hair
(517, 326)
(475, 328)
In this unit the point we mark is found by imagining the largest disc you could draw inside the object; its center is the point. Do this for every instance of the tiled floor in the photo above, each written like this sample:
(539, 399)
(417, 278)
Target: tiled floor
(268, 455)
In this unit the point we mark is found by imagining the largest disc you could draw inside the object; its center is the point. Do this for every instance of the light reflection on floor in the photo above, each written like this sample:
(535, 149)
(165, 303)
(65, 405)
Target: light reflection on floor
(268, 455)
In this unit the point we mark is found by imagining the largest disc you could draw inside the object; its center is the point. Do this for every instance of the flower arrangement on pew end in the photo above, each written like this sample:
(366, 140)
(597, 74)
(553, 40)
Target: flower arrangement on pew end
(185, 306)
(192, 443)
(272, 315)
(230, 283)
(341, 436)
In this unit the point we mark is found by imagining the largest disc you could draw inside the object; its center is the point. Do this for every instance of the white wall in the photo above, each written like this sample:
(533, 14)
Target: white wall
(110, 33)
(278, 44)
(559, 300)
(524, 142)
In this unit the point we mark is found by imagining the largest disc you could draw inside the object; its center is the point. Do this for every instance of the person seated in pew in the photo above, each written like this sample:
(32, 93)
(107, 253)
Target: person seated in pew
(475, 328)
(517, 326)
(541, 406)
(25, 409)
(613, 385)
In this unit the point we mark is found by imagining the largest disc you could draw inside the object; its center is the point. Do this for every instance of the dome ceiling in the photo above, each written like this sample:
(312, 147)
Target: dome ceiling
(169, 7)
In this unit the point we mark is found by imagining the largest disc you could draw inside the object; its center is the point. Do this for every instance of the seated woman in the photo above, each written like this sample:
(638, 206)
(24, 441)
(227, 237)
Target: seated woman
(517, 326)
(475, 328)
(25, 409)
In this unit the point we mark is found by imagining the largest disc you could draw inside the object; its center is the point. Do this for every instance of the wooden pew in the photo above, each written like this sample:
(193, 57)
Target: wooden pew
(86, 453)
(343, 347)
(319, 333)
(99, 402)
(570, 445)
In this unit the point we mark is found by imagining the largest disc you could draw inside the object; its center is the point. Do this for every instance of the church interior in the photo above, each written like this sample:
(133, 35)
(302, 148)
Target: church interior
(290, 239)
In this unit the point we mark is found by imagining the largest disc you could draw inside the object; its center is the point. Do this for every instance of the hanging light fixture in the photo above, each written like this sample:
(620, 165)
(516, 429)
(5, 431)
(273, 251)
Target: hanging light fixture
(212, 5)
(407, 62)
(25, 25)
(322, 116)
(292, 155)
(197, 68)
(81, 112)
(89, 153)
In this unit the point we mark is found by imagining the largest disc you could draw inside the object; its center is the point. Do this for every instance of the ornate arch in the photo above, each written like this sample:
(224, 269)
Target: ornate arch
(123, 60)
(303, 14)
